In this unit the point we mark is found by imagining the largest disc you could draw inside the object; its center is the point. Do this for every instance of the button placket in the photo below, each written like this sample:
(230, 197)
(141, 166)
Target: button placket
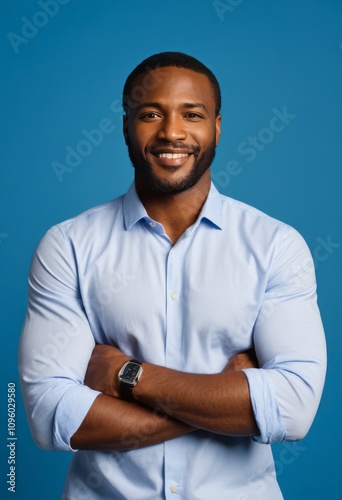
(174, 265)
(173, 314)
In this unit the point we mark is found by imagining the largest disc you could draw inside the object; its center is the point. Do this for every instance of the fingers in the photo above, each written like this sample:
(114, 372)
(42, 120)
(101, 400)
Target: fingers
(242, 360)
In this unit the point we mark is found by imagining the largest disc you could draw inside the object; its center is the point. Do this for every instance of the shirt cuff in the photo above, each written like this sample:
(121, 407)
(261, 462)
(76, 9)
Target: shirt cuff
(265, 407)
(70, 413)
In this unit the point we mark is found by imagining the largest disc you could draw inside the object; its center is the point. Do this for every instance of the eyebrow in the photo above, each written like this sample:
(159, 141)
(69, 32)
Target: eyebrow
(187, 105)
(191, 105)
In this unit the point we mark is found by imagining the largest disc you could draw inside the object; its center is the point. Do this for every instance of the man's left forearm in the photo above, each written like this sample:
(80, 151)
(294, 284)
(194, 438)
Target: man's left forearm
(218, 403)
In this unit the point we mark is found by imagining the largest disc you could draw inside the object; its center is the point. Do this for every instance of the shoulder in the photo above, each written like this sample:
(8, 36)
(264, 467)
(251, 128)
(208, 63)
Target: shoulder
(86, 228)
(240, 210)
(248, 218)
(93, 222)
(260, 230)
(104, 214)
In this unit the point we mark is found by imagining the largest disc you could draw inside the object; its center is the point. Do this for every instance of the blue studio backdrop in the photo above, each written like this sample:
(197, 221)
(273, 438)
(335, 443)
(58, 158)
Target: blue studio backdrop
(64, 63)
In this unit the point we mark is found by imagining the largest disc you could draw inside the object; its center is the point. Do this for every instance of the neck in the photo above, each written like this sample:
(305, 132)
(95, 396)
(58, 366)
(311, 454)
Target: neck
(177, 211)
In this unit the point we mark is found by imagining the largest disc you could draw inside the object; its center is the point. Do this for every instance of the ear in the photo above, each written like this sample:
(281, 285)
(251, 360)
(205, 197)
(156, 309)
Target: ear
(125, 128)
(218, 129)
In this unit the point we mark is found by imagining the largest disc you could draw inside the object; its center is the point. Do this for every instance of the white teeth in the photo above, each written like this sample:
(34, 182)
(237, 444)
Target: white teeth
(172, 155)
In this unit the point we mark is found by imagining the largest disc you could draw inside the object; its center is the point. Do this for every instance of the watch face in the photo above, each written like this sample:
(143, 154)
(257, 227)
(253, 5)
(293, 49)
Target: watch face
(130, 373)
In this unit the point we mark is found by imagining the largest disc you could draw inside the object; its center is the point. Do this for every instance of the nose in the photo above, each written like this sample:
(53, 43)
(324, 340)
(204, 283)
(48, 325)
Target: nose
(172, 128)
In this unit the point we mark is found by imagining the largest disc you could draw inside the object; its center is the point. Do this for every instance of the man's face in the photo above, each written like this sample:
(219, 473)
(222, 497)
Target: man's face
(171, 131)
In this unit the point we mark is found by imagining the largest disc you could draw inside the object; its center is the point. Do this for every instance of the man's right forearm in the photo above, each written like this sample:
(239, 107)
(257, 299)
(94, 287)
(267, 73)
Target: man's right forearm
(113, 424)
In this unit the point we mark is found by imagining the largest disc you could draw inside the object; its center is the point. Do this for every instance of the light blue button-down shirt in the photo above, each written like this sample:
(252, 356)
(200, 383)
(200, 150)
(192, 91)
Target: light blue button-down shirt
(236, 278)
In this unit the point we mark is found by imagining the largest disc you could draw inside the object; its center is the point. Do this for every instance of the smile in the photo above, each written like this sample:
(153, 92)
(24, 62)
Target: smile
(172, 156)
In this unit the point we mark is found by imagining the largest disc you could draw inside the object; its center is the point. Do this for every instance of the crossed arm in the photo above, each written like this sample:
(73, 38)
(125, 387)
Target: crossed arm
(168, 403)
(57, 342)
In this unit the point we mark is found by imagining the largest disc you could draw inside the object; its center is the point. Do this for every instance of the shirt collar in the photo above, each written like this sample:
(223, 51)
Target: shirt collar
(134, 210)
(212, 208)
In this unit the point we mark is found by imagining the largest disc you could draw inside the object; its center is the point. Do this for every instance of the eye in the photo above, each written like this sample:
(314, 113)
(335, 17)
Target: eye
(193, 116)
(149, 116)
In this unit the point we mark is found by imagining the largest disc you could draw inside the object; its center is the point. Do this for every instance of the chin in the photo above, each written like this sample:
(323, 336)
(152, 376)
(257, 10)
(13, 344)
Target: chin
(150, 179)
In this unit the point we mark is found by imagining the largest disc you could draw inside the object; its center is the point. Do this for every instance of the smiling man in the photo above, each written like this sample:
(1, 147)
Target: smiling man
(172, 334)
(171, 133)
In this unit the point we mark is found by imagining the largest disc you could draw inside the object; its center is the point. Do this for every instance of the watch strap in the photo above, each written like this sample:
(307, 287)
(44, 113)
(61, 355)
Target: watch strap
(137, 361)
(126, 390)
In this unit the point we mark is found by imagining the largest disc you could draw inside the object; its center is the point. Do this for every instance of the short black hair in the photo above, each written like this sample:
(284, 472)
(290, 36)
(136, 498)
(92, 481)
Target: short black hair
(178, 60)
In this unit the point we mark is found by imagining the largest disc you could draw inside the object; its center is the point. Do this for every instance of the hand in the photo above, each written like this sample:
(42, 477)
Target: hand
(241, 360)
(103, 369)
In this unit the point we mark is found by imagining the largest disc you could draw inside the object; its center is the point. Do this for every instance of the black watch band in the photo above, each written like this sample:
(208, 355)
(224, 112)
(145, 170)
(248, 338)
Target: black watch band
(129, 379)
(126, 392)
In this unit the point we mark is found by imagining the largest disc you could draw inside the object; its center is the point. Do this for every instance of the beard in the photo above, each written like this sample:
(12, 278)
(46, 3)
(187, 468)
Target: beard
(200, 165)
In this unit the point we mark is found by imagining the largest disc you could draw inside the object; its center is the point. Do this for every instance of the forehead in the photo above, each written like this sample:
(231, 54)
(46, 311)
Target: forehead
(173, 86)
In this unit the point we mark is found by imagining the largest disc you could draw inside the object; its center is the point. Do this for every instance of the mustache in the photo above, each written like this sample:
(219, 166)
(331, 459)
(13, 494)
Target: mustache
(173, 145)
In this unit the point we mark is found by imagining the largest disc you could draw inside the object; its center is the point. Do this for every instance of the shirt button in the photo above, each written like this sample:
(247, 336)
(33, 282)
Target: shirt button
(173, 296)
(173, 488)
(153, 224)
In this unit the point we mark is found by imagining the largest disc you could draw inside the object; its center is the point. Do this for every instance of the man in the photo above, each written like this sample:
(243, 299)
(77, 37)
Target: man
(176, 285)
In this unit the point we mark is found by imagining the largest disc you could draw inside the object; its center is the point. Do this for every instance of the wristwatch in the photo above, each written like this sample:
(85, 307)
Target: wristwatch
(128, 377)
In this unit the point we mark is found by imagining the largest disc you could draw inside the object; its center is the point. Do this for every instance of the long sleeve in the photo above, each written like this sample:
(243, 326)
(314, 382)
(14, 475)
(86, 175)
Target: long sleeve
(290, 345)
(236, 278)
(55, 346)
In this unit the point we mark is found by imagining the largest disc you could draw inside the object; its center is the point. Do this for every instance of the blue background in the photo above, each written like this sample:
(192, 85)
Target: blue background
(68, 77)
